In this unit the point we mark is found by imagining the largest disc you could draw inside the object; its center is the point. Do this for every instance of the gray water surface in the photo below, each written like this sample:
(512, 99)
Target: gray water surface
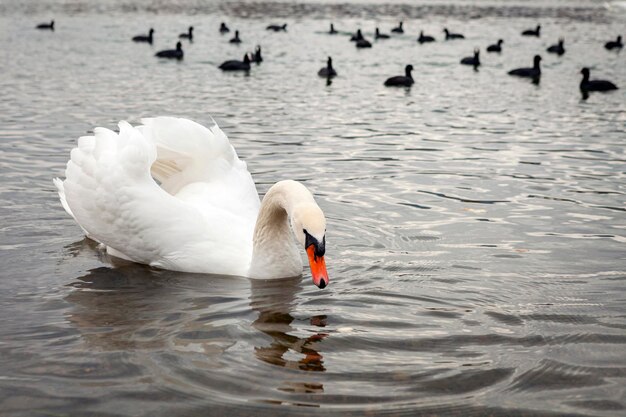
(476, 222)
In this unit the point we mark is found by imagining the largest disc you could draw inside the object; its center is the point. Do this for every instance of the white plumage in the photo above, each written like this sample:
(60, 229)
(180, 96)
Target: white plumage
(202, 213)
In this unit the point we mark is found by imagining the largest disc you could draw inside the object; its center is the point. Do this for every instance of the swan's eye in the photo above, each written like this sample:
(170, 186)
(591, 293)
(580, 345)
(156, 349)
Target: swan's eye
(304, 231)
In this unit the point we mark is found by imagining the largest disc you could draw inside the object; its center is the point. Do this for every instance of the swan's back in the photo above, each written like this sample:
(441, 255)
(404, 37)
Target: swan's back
(200, 219)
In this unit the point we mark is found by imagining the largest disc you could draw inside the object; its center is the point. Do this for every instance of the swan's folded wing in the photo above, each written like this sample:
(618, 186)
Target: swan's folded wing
(189, 153)
(111, 194)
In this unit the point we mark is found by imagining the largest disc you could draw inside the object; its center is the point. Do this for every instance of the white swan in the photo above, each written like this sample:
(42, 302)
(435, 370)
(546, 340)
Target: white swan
(204, 215)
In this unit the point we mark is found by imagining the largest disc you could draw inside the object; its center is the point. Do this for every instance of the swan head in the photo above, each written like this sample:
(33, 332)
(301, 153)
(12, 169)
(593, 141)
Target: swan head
(309, 227)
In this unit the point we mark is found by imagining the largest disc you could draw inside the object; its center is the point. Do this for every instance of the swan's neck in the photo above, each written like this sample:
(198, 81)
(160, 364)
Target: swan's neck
(274, 253)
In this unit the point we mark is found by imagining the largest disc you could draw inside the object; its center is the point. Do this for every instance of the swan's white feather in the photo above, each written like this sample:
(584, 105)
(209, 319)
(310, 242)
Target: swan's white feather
(200, 219)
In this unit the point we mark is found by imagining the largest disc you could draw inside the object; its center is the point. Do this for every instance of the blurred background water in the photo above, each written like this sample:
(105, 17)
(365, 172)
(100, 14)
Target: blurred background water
(476, 236)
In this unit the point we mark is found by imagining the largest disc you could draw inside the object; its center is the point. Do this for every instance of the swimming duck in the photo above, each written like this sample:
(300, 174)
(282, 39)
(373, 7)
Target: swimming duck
(534, 72)
(188, 35)
(450, 35)
(616, 44)
(328, 71)
(405, 80)
(172, 53)
(472, 60)
(380, 35)
(224, 28)
(357, 36)
(235, 65)
(277, 28)
(425, 38)
(532, 32)
(332, 30)
(595, 85)
(236, 38)
(363, 43)
(496, 47)
(144, 38)
(46, 26)
(557, 48)
(398, 29)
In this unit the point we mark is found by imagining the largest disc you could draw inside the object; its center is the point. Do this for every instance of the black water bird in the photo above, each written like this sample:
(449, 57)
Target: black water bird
(332, 30)
(472, 60)
(534, 72)
(401, 80)
(398, 29)
(256, 56)
(450, 35)
(381, 35)
(557, 48)
(46, 26)
(171, 53)
(236, 38)
(328, 71)
(144, 38)
(496, 47)
(616, 44)
(425, 38)
(363, 43)
(277, 28)
(533, 32)
(594, 85)
(357, 36)
(235, 65)
(188, 35)
(224, 28)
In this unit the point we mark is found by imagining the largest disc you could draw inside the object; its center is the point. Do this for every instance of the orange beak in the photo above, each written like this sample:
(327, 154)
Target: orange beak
(318, 268)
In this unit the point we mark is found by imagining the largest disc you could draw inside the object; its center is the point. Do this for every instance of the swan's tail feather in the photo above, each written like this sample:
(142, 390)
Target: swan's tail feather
(59, 184)
(98, 166)
(61, 190)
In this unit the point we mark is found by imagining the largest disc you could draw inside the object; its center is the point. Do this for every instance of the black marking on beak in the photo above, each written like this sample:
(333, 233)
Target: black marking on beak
(320, 247)
(322, 284)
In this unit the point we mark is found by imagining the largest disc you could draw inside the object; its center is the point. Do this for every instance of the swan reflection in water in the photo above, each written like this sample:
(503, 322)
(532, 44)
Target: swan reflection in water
(274, 300)
(135, 308)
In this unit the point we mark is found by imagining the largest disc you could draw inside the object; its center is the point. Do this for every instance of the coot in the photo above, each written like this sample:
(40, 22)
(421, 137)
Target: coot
(425, 38)
(328, 71)
(534, 72)
(236, 38)
(172, 53)
(144, 38)
(46, 26)
(532, 32)
(557, 48)
(188, 35)
(496, 47)
(450, 35)
(401, 80)
(398, 29)
(234, 65)
(595, 85)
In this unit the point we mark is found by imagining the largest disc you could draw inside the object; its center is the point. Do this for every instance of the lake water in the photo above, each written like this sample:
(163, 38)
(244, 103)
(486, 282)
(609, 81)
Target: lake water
(476, 222)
